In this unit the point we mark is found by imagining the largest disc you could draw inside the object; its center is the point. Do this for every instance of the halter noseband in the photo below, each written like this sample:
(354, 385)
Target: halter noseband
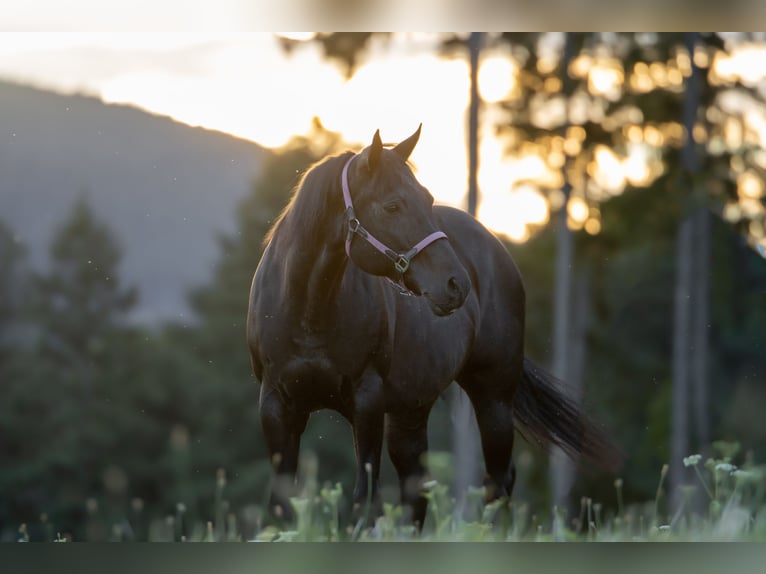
(401, 260)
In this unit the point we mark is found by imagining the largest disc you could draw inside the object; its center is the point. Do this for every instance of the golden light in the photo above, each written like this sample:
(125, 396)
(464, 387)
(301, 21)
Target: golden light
(552, 85)
(636, 166)
(749, 185)
(607, 171)
(756, 228)
(634, 133)
(733, 133)
(759, 158)
(737, 163)
(755, 120)
(581, 65)
(752, 208)
(572, 146)
(593, 226)
(605, 80)
(532, 203)
(576, 132)
(510, 214)
(653, 136)
(732, 212)
(531, 165)
(658, 72)
(556, 159)
(298, 36)
(497, 76)
(547, 112)
(746, 63)
(555, 199)
(220, 96)
(674, 133)
(547, 64)
(577, 209)
(247, 86)
(374, 99)
(701, 57)
(640, 80)
(675, 77)
(683, 62)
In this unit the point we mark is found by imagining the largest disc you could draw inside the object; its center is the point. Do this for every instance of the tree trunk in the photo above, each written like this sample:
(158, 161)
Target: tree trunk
(689, 347)
(466, 443)
(561, 468)
(701, 326)
(679, 424)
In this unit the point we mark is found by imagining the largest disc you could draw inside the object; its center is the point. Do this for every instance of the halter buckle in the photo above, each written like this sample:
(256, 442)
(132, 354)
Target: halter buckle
(353, 225)
(402, 264)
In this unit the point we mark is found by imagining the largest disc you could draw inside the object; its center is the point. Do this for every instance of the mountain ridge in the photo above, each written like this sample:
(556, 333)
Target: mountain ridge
(165, 189)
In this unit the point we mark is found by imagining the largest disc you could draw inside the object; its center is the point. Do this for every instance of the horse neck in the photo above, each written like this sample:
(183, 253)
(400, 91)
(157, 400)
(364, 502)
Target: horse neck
(316, 279)
(315, 262)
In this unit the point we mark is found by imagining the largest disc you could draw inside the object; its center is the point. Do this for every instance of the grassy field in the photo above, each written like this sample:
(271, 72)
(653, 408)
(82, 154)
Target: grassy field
(734, 509)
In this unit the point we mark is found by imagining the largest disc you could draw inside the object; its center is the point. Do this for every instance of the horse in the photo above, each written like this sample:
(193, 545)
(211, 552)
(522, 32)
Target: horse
(370, 300)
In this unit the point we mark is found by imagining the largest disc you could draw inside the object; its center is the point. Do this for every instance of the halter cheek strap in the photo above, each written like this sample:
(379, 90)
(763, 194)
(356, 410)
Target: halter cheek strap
(401, 260)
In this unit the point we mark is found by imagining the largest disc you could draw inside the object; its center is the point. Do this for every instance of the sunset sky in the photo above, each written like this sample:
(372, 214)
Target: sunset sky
(246, 85)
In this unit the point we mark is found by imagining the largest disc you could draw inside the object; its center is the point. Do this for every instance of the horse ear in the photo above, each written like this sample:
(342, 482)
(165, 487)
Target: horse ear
(405, 148)
(373, 155)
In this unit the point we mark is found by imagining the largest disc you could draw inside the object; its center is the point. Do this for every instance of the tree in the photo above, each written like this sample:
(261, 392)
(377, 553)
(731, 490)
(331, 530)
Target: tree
(345, 48)
(12, 286)
(465, 433)
(57, 418)
(80, 300)
(562, 470)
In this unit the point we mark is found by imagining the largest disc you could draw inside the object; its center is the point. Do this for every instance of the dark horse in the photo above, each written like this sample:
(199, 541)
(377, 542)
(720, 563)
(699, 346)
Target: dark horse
(330, 325)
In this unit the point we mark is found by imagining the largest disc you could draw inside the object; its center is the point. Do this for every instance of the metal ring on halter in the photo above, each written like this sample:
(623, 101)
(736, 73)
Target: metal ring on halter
(402, 264)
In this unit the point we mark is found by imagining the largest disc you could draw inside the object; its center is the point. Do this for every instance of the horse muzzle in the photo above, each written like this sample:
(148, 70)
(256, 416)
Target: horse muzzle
(451, 297)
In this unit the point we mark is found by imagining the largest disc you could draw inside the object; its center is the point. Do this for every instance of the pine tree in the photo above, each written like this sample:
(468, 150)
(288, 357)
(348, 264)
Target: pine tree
(11, 286)
(79, 301)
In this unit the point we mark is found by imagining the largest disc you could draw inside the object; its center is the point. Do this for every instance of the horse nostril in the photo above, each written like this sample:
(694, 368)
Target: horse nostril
(454, 287)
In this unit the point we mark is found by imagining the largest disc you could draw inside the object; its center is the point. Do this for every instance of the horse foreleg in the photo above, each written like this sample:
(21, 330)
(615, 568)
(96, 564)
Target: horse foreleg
(407, 442)
(367, 423)
(282, 429)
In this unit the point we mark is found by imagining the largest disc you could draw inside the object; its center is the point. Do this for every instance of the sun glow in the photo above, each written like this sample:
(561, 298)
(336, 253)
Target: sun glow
(511, 213)
(246, 85)
(497, 76)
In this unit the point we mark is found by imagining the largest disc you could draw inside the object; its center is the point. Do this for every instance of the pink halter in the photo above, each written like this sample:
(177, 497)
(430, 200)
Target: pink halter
(401, 260)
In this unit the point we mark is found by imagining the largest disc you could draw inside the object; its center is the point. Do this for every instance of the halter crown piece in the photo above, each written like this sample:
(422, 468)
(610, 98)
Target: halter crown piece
(401, 260)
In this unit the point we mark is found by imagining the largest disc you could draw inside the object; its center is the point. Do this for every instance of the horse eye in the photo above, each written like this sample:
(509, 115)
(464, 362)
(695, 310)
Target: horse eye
(391, 207)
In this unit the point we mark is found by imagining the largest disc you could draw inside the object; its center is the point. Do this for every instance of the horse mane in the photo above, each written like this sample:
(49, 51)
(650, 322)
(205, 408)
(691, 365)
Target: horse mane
(318, 190)
(315, 192)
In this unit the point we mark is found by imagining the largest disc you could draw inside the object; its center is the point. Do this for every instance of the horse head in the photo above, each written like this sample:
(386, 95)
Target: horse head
(393, 231)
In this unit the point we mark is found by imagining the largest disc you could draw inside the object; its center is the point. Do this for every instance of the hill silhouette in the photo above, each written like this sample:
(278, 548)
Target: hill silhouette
(164, 188)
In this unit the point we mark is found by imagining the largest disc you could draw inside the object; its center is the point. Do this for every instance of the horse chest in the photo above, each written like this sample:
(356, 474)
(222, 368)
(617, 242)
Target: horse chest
(427, 356)
(310, 369)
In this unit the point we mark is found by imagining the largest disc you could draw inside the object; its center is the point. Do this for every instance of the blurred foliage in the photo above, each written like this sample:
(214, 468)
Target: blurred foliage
(113, 431)
(615, 83)
(344, 48)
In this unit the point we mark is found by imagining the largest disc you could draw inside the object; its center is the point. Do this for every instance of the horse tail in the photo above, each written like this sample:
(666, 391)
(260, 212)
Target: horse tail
(547, 416)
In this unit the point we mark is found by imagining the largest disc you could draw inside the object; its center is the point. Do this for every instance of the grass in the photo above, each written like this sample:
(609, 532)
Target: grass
(727, 504)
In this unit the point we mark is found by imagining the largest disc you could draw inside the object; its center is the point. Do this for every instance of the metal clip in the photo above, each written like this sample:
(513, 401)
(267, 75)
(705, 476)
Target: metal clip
(402, 264)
